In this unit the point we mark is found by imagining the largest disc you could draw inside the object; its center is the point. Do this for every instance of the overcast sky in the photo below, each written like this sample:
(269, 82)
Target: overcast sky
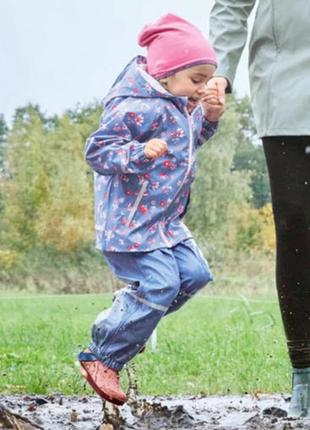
(62, 52)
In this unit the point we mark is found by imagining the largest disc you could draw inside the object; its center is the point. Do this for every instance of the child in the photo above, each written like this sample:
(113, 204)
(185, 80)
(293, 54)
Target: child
(156, 115)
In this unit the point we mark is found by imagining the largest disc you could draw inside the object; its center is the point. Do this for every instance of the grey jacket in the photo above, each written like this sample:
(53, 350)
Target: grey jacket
(279, 59)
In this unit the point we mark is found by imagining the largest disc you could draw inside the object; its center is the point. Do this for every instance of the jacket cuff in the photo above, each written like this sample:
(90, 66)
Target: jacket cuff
(208, 128)
(210, 125)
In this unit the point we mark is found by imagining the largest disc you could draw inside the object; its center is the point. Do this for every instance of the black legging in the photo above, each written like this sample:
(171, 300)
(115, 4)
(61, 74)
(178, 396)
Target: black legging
(288, 161)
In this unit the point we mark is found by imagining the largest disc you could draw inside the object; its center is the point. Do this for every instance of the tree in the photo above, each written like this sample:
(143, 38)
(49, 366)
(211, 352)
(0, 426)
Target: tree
(26, 186)
(249, 156)
(3, 135)
(64, 220)
(48, 193)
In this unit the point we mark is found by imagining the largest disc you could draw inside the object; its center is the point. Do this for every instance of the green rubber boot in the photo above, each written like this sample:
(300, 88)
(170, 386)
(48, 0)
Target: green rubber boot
(300, 401)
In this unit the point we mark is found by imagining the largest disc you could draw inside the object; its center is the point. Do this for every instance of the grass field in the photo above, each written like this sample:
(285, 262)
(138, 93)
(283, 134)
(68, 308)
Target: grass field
(213, 345)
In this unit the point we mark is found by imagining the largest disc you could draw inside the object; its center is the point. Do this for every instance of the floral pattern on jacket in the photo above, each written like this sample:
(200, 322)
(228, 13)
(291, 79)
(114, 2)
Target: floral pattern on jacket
(139, 202)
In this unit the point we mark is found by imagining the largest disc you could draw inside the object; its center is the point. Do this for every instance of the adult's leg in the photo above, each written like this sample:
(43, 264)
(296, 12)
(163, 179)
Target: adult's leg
(153, 282)
(288, 161)
(194, 272)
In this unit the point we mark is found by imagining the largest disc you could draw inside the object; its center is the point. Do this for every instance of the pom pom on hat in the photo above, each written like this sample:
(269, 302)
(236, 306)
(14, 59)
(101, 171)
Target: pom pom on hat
(174, 43)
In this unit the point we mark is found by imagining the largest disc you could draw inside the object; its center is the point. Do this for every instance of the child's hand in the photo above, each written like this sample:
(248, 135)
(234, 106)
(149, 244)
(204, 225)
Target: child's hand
(213, 107)
(155, 148)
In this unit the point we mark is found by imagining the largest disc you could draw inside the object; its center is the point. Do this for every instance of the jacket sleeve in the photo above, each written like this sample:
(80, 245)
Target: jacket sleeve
(228, 34)
(117, 146)
(208, 129)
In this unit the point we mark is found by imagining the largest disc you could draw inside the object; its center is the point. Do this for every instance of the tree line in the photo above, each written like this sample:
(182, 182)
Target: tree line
(46, 186)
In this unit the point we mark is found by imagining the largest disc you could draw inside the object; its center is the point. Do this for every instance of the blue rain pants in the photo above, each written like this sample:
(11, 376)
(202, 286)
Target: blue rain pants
(158, 283)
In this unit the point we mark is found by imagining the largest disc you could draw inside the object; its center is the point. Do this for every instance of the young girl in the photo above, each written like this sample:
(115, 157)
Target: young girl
(156, 115)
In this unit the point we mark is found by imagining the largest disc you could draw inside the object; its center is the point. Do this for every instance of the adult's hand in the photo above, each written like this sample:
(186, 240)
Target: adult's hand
(213, 108)
(219, 84)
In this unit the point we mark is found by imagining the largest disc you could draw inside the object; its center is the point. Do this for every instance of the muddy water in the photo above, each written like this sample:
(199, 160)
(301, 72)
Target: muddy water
(159, 413)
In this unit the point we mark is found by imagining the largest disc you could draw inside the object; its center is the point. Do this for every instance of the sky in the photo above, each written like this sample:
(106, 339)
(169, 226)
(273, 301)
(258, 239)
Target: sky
(63, 52)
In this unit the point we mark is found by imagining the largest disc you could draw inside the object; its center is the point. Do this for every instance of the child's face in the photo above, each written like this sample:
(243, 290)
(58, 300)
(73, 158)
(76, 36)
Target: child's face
(190, 82)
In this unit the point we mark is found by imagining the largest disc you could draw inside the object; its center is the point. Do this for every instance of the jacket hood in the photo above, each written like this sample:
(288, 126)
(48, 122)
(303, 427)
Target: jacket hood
(134, 81)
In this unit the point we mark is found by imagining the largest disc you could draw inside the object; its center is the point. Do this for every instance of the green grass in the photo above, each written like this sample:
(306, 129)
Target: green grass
(212, 346)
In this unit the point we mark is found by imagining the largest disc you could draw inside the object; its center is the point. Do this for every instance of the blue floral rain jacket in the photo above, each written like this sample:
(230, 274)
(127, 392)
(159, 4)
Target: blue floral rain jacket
(139, 202)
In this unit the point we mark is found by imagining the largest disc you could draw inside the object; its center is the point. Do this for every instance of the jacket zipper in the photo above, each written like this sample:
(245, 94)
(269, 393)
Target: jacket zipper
(190, 157)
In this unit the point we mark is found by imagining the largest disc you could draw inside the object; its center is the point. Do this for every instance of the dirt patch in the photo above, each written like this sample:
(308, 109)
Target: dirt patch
(158, 413)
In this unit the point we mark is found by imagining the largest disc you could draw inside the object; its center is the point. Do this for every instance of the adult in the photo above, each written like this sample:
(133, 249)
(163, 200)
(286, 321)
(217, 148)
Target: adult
(279, 69)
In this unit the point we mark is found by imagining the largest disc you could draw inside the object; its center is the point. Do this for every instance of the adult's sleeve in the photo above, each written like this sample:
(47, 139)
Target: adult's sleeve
(118, 144)
(228, 34)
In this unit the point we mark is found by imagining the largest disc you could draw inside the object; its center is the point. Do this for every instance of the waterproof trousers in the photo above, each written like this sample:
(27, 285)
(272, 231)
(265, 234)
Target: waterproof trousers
(158, 283)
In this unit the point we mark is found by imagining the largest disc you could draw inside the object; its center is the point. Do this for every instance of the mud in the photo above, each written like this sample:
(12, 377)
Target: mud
(58, 412)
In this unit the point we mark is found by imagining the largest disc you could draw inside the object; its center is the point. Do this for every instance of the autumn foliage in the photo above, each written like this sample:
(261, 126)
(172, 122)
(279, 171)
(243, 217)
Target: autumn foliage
(46, 186)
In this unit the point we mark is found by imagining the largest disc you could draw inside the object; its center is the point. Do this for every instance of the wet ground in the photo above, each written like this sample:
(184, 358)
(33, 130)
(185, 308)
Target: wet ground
(58, 412)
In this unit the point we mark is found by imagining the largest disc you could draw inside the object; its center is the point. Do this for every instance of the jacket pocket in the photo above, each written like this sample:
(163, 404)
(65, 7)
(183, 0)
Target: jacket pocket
(137, 202)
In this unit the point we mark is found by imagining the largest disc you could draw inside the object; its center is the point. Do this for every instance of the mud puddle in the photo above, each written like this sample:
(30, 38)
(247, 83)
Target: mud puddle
(157, 413)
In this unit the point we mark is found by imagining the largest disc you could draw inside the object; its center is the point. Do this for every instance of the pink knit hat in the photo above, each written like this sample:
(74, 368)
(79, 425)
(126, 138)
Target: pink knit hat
(174, 44)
